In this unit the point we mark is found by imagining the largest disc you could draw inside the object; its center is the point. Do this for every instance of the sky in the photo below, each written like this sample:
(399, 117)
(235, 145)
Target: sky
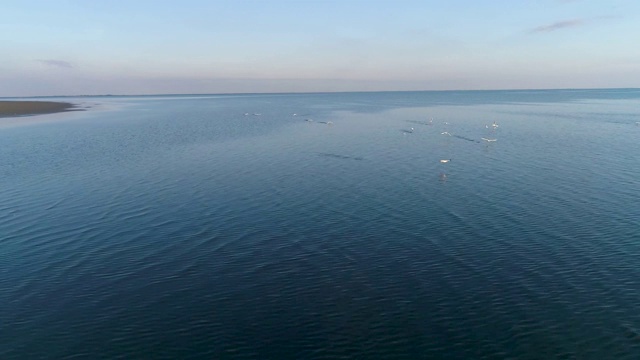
(78, 47)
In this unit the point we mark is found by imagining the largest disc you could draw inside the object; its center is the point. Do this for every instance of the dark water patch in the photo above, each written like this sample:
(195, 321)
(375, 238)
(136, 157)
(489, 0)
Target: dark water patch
(339, 156)
(465, 138)
(428, 123)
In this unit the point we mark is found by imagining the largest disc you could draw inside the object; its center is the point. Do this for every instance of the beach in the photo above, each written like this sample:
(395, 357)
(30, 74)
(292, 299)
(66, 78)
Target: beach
(22, 108)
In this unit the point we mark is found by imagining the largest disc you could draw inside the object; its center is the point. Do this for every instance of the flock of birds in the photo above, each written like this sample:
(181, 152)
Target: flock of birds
(493, 127)
(294, 114)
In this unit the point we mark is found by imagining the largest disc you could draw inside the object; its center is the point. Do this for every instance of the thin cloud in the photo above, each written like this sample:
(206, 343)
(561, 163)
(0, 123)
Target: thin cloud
(559, 25)
(572, 23)
(56, 63)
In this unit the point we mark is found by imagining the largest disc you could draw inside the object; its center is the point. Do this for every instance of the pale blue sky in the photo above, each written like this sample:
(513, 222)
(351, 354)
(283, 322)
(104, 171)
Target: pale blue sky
(196, 46)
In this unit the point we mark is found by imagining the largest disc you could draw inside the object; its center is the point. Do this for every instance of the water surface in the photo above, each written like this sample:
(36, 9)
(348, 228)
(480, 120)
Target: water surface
(228, 227)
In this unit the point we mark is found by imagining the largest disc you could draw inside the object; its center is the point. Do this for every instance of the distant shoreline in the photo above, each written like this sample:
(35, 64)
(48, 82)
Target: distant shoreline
(26, 108)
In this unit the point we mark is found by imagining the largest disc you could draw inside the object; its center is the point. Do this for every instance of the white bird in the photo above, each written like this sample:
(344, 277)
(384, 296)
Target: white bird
(444, 161)
(489, 140)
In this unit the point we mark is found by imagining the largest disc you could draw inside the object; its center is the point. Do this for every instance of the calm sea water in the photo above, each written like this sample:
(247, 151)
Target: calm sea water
(179, 227)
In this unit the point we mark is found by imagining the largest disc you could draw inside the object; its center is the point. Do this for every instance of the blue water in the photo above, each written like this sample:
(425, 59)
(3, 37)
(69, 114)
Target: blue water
(179, 227)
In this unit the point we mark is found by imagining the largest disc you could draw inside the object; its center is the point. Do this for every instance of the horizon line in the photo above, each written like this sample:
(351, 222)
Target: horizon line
(318, 92)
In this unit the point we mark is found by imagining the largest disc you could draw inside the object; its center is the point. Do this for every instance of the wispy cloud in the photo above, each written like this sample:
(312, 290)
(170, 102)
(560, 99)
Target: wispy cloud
(559, 25)
(56, 63)
(572, 23)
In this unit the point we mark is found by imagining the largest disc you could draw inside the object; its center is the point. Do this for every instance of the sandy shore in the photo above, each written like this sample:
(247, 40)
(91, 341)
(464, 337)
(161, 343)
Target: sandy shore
(22, 108)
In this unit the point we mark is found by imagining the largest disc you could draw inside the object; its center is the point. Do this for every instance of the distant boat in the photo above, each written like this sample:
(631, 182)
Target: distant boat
(489, 140)
(445, 133)
(444, 161)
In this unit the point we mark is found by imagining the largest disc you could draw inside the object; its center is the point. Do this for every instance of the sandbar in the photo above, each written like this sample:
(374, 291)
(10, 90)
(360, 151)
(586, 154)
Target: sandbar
(24, 108)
